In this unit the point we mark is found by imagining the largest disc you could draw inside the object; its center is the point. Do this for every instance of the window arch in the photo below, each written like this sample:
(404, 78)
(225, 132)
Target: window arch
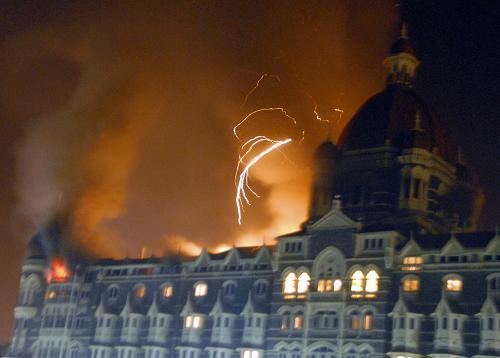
(372, 281)
(229, 289)
(453, 283)
(357, 282)
(367, 321)
(296, 286)
(322, 350)
(354, 320)
(290, 284)
(304, 281)
(200, 289)
(112, 292)
(140, 290)
(286, 320)
(410, 283)
(260, 287)
(166, 290)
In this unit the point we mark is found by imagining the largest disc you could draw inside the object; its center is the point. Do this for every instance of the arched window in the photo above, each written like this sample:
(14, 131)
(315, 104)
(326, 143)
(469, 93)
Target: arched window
(411, 284)
(112, 292)
(167, 290)
(371, 281)
(298, 321)
(357, 281)
(200, 289)
(229, 289)
(325, 320)
(290, 284)
(260, 288)
(303, 283)
(355, 323)
(140, 291)
(453, 283)
(286, 318)
(367, 321)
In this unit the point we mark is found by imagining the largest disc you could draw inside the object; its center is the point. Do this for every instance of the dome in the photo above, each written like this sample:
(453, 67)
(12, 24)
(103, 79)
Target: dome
(397, 116)
(326, 150)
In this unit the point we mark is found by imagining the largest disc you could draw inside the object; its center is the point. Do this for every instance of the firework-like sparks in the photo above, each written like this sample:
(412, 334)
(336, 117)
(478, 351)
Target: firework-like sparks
(260, 110)
(257, 85)
(251, 152)
(243, 176)
(318, 117)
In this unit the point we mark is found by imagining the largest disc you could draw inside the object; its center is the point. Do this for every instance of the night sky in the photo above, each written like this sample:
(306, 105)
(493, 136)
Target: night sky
(117, 118)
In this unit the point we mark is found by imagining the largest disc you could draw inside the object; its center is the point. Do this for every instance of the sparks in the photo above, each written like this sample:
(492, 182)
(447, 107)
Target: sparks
(257, 84)
(318, 117)
(243, 177)
(251, 114)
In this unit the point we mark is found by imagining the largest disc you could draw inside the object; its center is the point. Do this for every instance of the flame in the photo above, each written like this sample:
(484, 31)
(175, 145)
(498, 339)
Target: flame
(59, 271)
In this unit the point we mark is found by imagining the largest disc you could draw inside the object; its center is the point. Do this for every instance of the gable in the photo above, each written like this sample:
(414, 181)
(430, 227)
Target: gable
(335, 219)
(452, 247)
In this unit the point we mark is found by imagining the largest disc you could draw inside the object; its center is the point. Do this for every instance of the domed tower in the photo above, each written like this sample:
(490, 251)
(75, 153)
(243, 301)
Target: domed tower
(322, 188)
(396, 166)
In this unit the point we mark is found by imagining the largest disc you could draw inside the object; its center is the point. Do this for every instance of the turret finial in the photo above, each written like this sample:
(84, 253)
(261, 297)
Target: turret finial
(404, 31)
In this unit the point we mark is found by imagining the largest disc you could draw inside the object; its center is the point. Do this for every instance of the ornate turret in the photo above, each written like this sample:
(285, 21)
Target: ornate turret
(401, 62)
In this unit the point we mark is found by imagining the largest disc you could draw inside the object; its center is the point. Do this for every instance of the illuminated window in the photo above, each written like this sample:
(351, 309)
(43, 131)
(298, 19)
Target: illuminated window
(411, 284)
(167, 291)
(368, 321)
(285, 321)
(140, 291)
(303, 283)
(372, 282)
(290, 284)
(193, 321)
(322, 285)
(355, 321)
(357, 282)
(248, 353)
(454, 285)
(52, 294)
(412, 263)
(298, 321)
(200, 289)
(328, 285)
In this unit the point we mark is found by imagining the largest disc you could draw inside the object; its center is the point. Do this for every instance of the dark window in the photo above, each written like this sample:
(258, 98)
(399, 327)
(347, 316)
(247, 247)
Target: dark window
(444, 323)
(416, 188)
(407, 184)
(412, 323)
(380, 243)
(401, 322)
(299, 246)
(455, 324)
(490, 324)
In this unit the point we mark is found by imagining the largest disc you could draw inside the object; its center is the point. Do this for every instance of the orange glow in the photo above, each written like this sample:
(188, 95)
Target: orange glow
(220, 248)
(59, 271)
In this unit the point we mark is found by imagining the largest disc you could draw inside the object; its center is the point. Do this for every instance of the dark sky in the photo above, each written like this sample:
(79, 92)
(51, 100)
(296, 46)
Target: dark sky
(118, 116)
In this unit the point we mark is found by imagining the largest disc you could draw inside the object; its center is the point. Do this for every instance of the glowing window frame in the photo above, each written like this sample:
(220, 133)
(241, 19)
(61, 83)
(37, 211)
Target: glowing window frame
(200, 289)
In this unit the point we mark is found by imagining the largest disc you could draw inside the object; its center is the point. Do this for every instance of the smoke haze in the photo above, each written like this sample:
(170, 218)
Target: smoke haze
(118, 116)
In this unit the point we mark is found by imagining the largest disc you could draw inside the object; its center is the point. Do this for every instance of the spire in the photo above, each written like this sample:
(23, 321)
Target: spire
(404, 31)
(401, 62)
